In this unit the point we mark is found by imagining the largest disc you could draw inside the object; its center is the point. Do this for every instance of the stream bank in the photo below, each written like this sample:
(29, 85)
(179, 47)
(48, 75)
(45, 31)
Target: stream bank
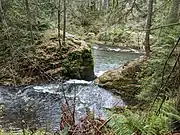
(124, 81)
(39, 105)
(46, 64)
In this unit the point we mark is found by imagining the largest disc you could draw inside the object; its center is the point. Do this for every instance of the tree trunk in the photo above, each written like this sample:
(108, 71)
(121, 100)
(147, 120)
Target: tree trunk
(64, 24)
(117, 3)
(36, 14)
(2, 16)
(29, 21)
(174, 12)
(148, 27)
(88, 4)
(93, 5)
(105, 4)
(175, 122)
(59, 26)
(100, 4)
(4, 23)
(113, 4)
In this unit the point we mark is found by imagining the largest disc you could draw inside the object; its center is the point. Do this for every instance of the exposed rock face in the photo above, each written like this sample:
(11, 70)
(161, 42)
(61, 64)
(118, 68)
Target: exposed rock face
(124, 80)
(47, 64)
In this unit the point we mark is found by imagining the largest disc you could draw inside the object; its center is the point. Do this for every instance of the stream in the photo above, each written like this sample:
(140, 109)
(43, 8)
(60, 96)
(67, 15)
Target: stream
(39, 105)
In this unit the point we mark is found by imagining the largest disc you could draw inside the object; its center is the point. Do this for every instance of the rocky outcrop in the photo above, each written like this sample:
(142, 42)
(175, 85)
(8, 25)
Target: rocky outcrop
(47, 64)
(124, 80)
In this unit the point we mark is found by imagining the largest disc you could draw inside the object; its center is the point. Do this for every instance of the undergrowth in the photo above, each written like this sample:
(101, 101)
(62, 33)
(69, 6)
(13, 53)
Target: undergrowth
(139, 122)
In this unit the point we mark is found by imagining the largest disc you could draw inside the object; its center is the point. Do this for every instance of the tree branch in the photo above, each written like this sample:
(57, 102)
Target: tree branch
(159, 27)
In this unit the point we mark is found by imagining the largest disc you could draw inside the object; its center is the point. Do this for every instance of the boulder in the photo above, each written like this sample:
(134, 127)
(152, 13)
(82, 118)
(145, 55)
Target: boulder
(124, 80)
(47, 64)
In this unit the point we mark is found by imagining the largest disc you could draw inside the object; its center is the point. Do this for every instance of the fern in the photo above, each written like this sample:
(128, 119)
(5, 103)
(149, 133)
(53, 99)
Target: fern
(144, 123)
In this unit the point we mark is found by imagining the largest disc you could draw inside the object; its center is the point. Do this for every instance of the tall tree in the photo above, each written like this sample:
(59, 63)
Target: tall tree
(29, 21)
(93, 5)
(113, 3)
(36, 14)
(5, 25)
(100, 4)
(174, 12)
(106, 4)
(59, 27)
(64, 23)
(148, 27)
(2, 17)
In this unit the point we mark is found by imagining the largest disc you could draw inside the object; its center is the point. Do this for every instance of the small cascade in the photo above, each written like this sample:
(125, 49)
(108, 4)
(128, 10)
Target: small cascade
(39, 106)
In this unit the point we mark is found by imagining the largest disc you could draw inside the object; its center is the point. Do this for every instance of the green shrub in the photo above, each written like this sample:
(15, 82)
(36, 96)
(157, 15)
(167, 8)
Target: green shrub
(138, 122)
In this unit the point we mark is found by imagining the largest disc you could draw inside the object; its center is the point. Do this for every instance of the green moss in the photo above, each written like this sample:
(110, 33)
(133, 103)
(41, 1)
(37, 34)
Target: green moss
(65, 63)
(124, 81)
(74, 55)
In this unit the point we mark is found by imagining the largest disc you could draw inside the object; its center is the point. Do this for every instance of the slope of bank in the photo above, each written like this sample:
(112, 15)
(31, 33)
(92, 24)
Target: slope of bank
(124, 80)
(47, 64)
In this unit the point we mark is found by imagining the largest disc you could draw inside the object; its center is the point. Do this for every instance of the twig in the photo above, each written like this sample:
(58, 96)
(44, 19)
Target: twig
(74, 106)
(161, 6)
(159, 27)
(162, 81)
(105, 123)
(64, 94)
(169, 58)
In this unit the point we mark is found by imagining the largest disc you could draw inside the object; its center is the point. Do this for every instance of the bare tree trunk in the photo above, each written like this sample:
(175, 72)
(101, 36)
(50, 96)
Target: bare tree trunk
(174, 13)
(2, 14)
(113, 4)
(178, 101)
(176, 123)
(64, 24)
(178, 95)
(93, 5)
(36, 15)
(117, 3)
(5, 23)
(88, 4)
(29, 21)
(105, 4)
(148, 27)
(100, 4)
(59, 25)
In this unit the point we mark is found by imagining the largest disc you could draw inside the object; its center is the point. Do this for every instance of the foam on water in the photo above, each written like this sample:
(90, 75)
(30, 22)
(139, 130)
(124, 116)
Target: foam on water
(114, 49)
(98, 74)
(95, 47)
(45, 101)
(75, 81)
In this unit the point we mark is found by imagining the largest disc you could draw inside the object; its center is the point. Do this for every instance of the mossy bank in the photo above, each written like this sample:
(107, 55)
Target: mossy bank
(47, 64)
(124, 81)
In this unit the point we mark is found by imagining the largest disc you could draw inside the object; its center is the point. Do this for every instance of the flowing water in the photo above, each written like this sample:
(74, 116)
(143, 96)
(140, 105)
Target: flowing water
(39, 105)
(107, 58)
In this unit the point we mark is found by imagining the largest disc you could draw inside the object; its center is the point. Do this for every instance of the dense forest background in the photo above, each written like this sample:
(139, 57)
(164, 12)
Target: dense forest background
(148, 25)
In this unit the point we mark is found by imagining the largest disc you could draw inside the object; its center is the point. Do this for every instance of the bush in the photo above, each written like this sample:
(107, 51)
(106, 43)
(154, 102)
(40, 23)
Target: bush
(139, 123)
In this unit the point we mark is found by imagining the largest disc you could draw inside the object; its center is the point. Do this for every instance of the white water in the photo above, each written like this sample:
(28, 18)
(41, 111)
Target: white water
(44, 100)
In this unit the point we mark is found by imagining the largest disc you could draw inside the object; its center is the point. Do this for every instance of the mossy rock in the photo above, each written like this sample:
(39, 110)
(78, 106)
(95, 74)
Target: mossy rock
(124, 80)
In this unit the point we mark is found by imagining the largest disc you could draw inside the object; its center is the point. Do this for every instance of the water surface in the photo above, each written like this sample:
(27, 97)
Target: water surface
(108, 58)
(38, 106)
